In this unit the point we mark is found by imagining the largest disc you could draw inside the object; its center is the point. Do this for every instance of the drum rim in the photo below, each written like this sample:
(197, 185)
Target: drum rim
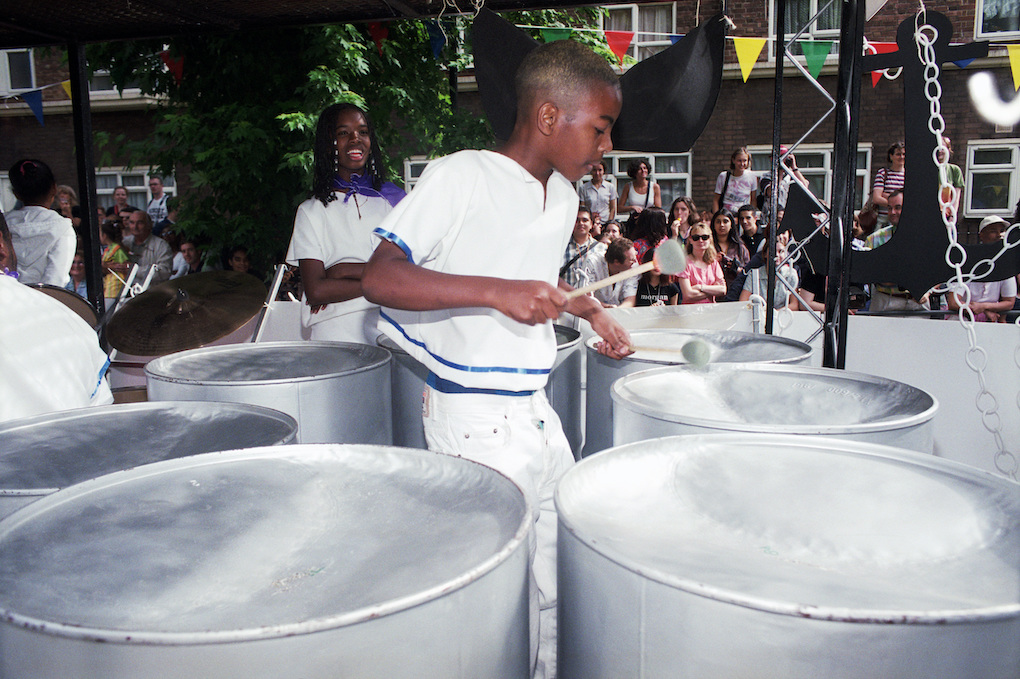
(799, 610)
(157, 368)
(846, 376)
(9, 615)
(696, 332)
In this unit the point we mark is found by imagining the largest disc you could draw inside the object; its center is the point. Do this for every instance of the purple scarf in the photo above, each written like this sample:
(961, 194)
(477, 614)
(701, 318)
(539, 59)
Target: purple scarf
(391, 193)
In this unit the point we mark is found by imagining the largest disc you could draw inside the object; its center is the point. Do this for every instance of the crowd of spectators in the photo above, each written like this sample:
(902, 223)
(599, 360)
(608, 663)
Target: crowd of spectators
(737, 230)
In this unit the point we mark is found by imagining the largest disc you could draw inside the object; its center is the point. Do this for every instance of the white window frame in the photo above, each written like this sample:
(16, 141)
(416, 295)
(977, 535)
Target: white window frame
(863, 173)
(812, 32)
(413, 167)
(5, 71)
(112, 90)
(635, 13)
(617, 172)
(1013, 167)
(105, 196)
(979, 32)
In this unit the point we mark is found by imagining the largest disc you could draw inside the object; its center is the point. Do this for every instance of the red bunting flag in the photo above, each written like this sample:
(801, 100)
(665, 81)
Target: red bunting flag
(619, 43)
(175, 66)
(880, 48)
(378, 32)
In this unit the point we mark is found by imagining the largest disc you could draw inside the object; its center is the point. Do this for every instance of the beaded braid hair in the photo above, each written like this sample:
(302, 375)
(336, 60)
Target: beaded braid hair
(325, 160)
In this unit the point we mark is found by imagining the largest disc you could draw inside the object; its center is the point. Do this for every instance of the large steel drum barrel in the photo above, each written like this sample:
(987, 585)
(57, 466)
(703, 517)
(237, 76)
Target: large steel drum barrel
(657, 348)
(312, 561)
(41, 454)
(338, 392)
(777, 399)
(563, 390)
(747, 556)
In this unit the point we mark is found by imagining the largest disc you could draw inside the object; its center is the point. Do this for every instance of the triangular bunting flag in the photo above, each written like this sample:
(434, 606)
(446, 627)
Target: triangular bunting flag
(554, 34)
(748, 50)
(378, 32)
(67, 88)
(963, 63)
(674, 39)
(619, 42)
(437, 39)
(880, 48)
(815, 52)
(175, 66)
(1014, 65)
(34, 101)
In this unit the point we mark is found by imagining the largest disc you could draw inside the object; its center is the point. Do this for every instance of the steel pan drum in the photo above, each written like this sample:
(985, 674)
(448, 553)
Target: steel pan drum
(72, 301)
(564, 387)
(662, 348)
(777, 399)
(408, 384)
(338, 392)
(313, 561)
(40, 454)
(748, 556)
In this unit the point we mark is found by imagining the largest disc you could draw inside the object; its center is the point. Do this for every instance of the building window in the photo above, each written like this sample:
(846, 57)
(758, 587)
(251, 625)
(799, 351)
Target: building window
(815, 163)
(798, 13)
(998, 18)
(102, 83)
(993, 177)
(17, 70)
(413, 167)
(652, 25)
(672, 172)
(135, 181)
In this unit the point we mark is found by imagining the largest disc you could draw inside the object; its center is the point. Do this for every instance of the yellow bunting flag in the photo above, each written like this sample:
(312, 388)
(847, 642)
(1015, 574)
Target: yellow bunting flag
(748, 50)
(67, 88)
(1014, 65)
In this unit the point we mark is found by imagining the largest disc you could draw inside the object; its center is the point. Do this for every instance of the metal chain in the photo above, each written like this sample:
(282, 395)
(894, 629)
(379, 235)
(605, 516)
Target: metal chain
(976, 357)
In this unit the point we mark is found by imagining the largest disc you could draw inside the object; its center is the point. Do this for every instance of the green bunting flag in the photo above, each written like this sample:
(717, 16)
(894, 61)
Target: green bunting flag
(815, 52)
(554, 34)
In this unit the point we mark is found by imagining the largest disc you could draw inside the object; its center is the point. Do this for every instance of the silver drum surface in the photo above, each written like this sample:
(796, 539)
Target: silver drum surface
(663, 348)
(41, 454)
(754, 555)
(337, 391)
(777, 399)
(314, 561)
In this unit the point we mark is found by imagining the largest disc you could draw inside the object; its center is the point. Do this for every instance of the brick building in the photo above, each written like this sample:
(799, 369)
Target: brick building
(989, 156)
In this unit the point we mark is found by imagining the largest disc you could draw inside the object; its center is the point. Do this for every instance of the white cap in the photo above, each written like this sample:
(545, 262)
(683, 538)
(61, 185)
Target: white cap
(993, 220)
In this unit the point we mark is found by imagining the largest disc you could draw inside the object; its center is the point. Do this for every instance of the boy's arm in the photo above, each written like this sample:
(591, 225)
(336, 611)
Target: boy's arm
(617, 341)
(391, 280)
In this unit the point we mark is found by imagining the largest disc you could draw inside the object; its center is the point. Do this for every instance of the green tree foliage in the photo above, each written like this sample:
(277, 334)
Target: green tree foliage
(240, 123)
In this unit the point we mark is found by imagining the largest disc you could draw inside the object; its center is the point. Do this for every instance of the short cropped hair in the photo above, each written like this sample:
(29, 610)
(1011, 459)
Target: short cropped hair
(897, 192)
(617, 250)
(31, 179)
(564, 69)
(144, 218)
(584, 208)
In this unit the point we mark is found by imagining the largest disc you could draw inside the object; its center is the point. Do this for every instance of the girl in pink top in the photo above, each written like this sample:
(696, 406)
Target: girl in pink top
(702, 280)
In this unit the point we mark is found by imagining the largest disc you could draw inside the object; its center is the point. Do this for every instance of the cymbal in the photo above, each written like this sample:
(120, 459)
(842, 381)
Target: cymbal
(185, 313)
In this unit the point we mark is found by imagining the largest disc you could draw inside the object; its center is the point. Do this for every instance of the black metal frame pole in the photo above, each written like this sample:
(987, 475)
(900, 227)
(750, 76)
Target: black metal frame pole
(777, 140)
(81, 113)
(848, 96)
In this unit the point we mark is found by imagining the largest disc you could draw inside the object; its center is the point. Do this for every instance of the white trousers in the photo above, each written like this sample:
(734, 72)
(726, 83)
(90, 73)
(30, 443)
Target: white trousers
(521, 437)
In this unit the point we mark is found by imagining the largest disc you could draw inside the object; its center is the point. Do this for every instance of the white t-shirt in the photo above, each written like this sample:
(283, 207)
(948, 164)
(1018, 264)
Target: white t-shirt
(44, 242)
(738, 191)
(479, 213)
(49, 357)
(335, 233)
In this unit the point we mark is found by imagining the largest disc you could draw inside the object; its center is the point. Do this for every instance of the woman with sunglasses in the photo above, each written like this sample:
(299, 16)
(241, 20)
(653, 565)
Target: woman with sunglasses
(702, 281)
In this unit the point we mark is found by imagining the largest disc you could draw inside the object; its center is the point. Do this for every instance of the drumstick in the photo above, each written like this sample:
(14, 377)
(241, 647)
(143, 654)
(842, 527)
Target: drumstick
(669, 256)
(695, 351)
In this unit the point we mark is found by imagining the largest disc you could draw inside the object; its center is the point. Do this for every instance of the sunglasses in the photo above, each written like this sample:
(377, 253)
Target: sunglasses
(703, 236)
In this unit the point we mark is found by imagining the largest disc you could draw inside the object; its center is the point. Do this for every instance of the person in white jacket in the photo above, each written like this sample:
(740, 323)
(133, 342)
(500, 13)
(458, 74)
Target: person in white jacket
(43, 238)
